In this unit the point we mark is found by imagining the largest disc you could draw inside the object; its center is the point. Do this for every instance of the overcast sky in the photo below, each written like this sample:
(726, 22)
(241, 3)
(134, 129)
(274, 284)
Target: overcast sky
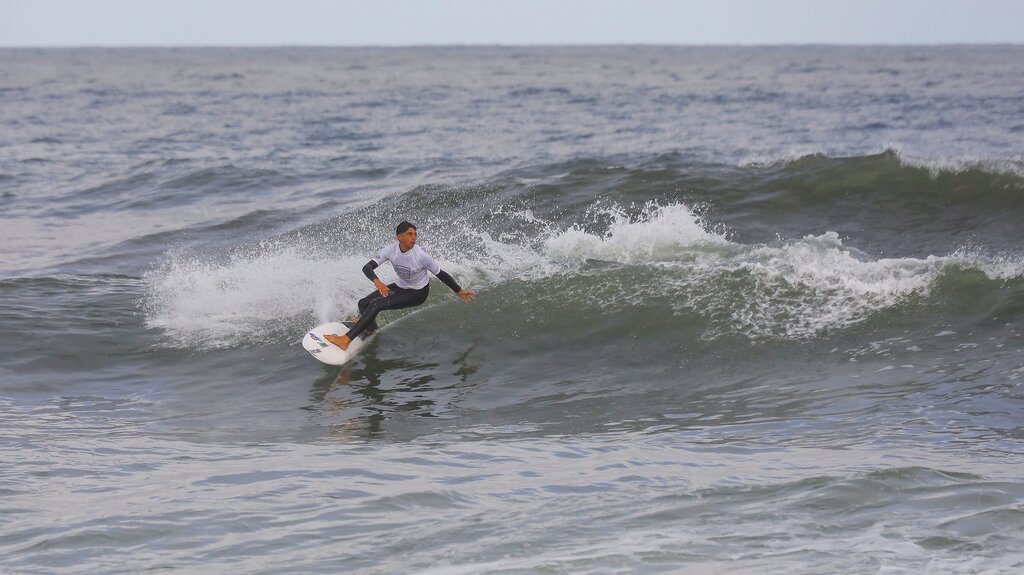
(432, 22)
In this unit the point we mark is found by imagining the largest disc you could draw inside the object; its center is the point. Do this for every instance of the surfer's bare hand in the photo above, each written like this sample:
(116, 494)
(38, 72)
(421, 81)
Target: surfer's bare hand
(382, 288)
(467, 295)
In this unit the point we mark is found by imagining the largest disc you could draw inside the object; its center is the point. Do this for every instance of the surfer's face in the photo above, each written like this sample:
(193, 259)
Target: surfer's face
(407, 239)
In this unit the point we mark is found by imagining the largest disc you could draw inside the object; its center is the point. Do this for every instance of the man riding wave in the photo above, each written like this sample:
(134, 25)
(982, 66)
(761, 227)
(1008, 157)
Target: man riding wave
(411, 264)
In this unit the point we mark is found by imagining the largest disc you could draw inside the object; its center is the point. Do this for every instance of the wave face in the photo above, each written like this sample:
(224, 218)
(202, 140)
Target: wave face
(740, 310)
(621, 259)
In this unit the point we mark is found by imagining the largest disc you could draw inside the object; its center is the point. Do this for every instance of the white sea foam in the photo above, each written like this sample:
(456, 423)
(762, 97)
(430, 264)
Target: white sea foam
(659, 233)
(806, 287)
(255, 295)
(794, 289)
(936, 165)
(1003, 268)
(198, 302)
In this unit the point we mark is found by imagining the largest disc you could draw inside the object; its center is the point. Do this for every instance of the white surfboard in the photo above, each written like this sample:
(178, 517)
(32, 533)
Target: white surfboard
(327, 352)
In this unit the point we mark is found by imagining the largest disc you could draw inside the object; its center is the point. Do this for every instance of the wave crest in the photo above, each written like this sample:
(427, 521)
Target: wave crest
(657, 233)
(616, 258)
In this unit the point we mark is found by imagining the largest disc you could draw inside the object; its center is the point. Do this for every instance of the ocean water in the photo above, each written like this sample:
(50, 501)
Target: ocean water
(741, 310)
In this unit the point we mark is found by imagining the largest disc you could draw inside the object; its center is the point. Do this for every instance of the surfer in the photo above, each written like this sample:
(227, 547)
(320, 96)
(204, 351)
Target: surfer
(411, 263)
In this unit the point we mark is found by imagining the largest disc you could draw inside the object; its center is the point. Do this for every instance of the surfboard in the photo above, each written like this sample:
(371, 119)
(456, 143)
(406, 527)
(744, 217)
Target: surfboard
(327, 352)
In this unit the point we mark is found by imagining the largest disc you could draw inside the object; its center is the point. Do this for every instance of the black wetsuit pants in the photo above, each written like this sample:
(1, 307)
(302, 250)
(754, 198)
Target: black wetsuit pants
(373, 304)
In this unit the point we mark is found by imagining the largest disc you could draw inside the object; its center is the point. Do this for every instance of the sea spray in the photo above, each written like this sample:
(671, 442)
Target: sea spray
(245, 298)
(655, 233)
(789, 289)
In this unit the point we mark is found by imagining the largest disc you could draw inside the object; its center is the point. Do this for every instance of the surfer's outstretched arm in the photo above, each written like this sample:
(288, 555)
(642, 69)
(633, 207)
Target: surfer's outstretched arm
(466, 295)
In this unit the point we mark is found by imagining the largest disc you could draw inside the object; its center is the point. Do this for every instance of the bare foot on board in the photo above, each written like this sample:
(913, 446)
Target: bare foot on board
(341, 341)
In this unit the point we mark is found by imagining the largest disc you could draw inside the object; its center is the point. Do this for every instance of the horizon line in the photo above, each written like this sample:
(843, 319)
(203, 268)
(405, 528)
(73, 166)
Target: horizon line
(514, 45)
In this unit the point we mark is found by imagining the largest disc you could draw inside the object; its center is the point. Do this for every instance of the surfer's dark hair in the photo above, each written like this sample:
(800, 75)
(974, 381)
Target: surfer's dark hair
(404, 227)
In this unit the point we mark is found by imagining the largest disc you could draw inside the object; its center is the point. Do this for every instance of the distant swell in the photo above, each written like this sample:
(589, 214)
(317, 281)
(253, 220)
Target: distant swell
(934, 166)
(898, 180)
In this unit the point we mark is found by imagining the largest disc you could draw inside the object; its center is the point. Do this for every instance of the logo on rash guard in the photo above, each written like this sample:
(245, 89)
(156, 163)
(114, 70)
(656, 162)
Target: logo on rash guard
(404, 273)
